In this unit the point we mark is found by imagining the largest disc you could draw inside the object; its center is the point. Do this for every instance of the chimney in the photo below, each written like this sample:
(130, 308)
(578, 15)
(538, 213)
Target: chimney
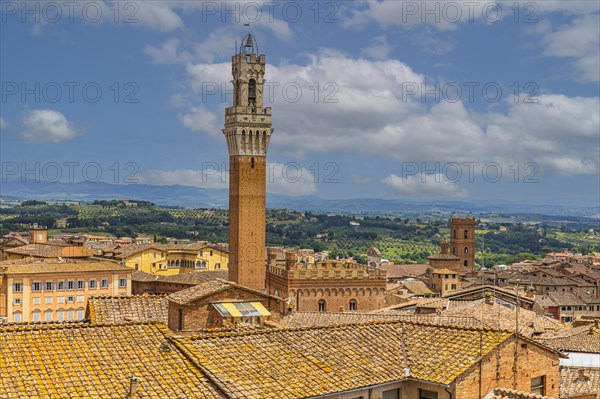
(134, 383)
(581, 377)
(489, 299)
(444, 247)
(290, 260)
(271, 256)
(530, 292)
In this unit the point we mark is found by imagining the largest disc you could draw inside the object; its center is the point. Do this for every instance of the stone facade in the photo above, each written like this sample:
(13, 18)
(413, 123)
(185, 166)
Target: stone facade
(328, 286)
(247, 131)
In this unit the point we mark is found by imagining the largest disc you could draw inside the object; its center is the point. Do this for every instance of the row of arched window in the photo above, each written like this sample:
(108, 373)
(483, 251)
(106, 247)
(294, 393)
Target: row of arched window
(466, 250)
(465, 234)
(352, 305)
(187, 263)
(69, 314)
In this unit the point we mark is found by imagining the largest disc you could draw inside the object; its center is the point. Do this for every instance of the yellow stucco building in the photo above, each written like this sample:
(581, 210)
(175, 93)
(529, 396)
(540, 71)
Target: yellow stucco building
(171, 259)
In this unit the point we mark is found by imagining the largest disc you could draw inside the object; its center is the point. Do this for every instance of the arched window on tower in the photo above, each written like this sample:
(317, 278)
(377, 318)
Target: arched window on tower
(454, 250)
(252, 93)
(454, 233)
(466, 250)
(466, 263)
(237, 93)
(352, 305)
(322, 306)
(466, 233)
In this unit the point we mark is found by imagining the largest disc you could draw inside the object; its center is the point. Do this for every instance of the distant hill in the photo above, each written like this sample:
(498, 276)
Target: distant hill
(186, 196)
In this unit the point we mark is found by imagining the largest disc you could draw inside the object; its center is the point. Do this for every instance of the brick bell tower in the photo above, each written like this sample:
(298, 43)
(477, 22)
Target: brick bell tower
(462, 241)
(247, 131)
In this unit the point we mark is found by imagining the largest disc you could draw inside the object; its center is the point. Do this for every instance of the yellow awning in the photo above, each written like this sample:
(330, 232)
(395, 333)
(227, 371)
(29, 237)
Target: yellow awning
(231, 309)
(241, 309)
(260, 308)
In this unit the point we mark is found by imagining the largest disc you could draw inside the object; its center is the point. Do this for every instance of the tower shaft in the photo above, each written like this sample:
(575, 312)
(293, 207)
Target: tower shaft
(247, 132)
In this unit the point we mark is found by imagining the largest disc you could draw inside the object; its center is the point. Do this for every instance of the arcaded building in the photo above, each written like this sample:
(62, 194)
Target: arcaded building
(328, 286)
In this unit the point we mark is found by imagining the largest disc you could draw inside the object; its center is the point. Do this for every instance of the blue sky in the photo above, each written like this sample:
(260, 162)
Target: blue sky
(398, 99)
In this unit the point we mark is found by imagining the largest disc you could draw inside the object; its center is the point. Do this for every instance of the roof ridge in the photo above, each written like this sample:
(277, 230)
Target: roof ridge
(144, 295)
(341, 325)
(36, 326)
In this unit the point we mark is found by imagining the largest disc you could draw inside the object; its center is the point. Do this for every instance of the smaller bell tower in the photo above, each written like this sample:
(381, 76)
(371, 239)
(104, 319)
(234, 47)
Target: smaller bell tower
(247, 132)
(462, 241)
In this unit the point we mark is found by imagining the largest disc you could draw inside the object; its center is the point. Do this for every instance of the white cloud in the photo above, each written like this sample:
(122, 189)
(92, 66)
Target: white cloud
(380, 49)
(47, 125)
(360, 180)
(372, 118)
(3, 124)
(431, 44)
(444, 16)
(579, 41)
(286, 179)
(167, 53)
(199, 119)
(424, 185)
(559, 133)
(290, 179)
(156, 15)
(280, 28)
(218, 44)
(209, 178)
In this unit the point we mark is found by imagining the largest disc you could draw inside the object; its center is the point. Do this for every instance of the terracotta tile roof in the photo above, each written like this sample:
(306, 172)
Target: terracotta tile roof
(579, 381)
(78, 360)
(443, 257)
(191, 278)
(137, 275)
(195, 277)
(399, 271)
(483, 289)
(53, 250)
(443, 271)
(208, 288)
(502, 393)
(129, 250)
(417, 287)
(578, 339)
(307, 362)
(316, 319)
(27, 266)
(498, 315)
(119, 309)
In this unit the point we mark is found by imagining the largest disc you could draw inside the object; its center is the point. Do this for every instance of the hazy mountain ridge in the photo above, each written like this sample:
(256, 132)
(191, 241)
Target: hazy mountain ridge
(187, 196)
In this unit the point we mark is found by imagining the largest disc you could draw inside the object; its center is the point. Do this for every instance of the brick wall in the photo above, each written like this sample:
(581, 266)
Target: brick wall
(200, 314)
(247, 221)
(497, 371)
